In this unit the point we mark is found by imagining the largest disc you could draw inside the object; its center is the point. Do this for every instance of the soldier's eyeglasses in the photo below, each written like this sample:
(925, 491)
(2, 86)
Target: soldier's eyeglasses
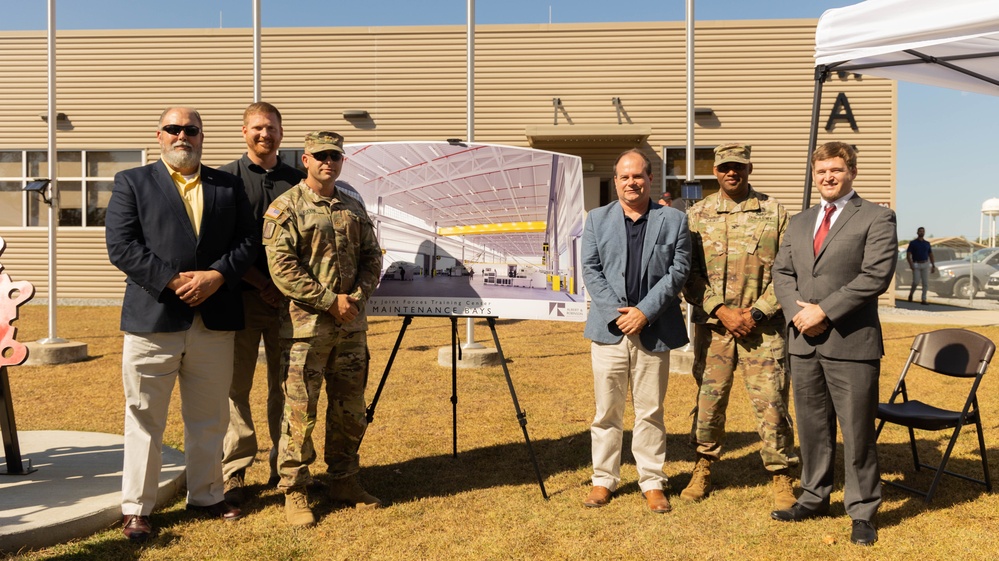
(189, 130)
(328, 154)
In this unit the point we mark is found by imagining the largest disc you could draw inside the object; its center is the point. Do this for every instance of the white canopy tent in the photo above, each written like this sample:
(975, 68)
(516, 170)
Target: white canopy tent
(947, 43)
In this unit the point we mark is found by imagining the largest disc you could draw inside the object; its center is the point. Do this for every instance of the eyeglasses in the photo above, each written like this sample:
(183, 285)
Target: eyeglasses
(189, 130)
(328, 154)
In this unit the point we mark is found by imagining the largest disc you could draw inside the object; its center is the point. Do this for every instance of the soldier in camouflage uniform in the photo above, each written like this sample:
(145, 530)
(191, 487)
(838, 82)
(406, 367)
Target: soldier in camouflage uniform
(738, 322)
(323, 255)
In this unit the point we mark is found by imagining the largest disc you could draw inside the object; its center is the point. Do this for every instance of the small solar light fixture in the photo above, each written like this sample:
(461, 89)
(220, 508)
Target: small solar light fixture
(60, 117)
(455, 142)
(40, 186)
(350, 114)
(691, 191)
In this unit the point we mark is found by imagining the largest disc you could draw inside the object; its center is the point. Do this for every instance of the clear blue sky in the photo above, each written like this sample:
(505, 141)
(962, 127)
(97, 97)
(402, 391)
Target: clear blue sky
(941, 133)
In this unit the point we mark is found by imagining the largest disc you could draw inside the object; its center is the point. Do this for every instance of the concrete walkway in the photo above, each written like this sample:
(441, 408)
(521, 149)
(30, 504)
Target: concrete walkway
(937, 314)
(76, 490)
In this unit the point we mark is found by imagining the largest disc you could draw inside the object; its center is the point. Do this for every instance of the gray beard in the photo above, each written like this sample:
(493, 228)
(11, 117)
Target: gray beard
(179, 159)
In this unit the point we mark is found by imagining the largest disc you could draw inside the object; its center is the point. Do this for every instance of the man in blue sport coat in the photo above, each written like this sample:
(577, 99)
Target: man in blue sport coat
(183, 234)
(636, 257)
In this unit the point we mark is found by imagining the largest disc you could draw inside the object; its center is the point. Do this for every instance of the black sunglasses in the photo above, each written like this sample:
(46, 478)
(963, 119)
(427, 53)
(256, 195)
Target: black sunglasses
(189, 130)
(328, 154)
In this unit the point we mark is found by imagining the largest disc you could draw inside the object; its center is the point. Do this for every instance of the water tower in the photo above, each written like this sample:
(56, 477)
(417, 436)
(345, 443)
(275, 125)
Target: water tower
(990, 208)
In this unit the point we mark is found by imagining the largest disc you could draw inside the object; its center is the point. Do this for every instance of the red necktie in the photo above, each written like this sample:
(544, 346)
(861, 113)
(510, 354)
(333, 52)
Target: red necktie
(820, 235)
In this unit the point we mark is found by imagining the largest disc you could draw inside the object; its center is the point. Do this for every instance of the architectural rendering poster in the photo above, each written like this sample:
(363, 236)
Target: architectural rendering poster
(472, 229)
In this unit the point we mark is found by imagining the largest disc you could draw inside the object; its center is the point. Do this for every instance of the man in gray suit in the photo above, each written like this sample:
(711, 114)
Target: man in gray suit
(636, 257)
(834, 262)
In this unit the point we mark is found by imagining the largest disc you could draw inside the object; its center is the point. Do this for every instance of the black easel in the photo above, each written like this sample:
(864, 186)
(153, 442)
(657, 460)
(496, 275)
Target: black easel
(455, 350)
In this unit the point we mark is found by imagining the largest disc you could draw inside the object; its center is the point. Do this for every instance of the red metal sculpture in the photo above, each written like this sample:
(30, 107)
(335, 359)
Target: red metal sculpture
(12, 295)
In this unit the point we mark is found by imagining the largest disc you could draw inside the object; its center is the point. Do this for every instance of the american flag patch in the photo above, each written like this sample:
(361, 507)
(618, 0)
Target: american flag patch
(272, 213)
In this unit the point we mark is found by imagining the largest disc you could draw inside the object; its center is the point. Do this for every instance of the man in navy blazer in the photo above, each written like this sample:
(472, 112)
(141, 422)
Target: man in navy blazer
(835, 260)
(183, 234)
(636, 257)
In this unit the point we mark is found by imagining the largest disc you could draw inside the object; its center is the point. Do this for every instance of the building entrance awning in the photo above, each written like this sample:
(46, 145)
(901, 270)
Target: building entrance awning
(588, 135)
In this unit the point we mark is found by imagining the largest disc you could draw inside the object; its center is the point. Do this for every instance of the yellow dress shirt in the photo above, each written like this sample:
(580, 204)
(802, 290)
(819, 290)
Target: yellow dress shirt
(189, 188)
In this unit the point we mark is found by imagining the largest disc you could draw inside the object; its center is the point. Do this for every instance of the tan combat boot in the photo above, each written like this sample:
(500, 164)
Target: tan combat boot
(783, 490)
(700, 481)
(348, 490)
(296, 508)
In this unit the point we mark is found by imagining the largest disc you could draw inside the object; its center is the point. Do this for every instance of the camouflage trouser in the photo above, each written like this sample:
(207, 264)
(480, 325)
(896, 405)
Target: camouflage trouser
(341, 359)
(759, 356)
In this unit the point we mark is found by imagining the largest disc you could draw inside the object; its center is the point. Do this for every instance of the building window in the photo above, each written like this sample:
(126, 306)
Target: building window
(675, 169)
(85, 181)
(293, 158)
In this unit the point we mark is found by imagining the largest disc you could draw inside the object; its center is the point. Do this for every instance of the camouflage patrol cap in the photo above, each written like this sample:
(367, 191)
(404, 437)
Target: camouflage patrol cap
(732, 152)
(319, 141)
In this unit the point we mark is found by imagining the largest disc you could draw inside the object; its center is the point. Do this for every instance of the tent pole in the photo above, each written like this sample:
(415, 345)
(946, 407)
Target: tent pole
(821, 72)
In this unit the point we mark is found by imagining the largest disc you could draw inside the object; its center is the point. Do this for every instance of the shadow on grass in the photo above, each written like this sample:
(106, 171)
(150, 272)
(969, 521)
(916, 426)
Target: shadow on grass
(510, 464)
(478, 468)
(120, 548)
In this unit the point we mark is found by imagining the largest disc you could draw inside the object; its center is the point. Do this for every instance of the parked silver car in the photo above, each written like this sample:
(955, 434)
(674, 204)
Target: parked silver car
(903, 274)
(992, 288)
(954, 278)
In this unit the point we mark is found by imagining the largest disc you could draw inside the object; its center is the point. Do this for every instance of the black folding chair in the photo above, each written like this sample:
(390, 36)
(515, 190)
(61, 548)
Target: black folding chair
(950, 352)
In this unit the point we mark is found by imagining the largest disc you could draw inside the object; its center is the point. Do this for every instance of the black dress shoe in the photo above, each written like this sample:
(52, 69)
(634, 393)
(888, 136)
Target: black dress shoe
(864, 533)
(221, 509)
(797, 513)
(136, 528)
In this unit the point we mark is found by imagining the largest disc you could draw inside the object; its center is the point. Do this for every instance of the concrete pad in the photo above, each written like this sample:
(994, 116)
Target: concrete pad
(76, 490)
(937, 314)
(681, 361)
(55, 353)
(470, 358)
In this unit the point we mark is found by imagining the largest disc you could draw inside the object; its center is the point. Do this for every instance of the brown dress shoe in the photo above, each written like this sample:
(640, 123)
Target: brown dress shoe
(221, 509)
(598, 497)
(658, 503)
(136, 528)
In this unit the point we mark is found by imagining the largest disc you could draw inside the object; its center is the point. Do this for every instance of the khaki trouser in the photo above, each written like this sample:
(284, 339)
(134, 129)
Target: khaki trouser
(240, 446)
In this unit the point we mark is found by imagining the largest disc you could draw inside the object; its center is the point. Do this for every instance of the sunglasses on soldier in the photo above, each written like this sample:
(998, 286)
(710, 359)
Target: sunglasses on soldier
(327, 154)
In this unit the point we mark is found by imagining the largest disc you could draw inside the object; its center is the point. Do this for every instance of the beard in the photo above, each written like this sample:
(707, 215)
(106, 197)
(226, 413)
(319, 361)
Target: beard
(180, 159)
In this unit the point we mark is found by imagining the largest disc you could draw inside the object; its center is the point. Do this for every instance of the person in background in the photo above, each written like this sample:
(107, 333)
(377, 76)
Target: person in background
(919, 256)
(264, 177)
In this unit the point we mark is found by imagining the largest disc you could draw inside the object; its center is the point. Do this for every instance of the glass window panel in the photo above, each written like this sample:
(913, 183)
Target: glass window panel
(10, 202)
(708, 187)
(38, 211)
(70, 203)
(67, 164)
(293, 158)
(108, 163)
(10, 163)
(98, 195)
(676, 161)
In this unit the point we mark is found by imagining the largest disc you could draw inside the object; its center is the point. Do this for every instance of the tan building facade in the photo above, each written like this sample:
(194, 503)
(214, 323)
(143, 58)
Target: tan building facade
(590, 90)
